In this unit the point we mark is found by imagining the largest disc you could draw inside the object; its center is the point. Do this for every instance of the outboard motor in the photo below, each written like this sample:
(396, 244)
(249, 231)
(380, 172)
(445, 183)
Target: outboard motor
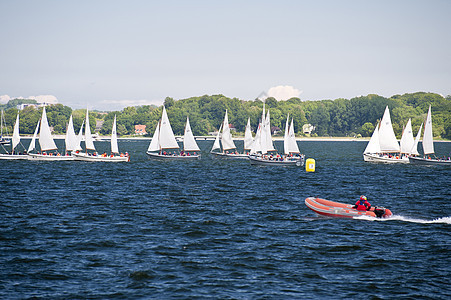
(379, 211)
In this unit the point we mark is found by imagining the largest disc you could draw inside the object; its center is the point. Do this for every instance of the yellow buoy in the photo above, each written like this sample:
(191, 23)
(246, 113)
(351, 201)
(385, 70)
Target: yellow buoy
(310, 165)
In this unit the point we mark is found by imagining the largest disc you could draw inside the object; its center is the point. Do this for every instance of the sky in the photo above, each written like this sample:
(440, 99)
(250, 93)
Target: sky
(111, 54)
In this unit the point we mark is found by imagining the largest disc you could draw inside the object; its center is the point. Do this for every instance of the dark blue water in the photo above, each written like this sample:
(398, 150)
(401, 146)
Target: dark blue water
(214, 229)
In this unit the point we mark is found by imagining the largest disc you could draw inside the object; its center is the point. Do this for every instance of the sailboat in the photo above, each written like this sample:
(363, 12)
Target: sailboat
(46, 142)
(228, 146)
(164, 146)
(15, 142)
(90, 145)
(383, 145)
(89, 142)
(428, 147)
(263, 145)
(3, 141)
(290, 145)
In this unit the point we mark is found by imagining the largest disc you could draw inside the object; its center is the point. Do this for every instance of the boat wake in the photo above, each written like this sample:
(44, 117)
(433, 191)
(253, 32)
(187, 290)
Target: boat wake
(444, 220)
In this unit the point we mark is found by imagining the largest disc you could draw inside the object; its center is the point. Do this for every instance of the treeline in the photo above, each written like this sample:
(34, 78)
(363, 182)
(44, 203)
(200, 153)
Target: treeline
(340, 117)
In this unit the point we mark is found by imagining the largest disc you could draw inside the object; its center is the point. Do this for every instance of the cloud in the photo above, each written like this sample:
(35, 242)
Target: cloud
(283, 92)
(50, 99)
(4, 98)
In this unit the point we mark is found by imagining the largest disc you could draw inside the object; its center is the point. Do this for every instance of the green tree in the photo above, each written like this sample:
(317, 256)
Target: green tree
(447, 129)
(29, 118)
(271, 102)
(107, 127)
(367, 129)
(320, 118)
(168, 102)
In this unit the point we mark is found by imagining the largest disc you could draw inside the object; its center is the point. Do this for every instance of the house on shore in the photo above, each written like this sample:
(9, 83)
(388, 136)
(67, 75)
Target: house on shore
(140, 130)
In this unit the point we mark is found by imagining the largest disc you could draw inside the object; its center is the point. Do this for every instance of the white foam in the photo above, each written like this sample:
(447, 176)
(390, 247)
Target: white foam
(443, 220)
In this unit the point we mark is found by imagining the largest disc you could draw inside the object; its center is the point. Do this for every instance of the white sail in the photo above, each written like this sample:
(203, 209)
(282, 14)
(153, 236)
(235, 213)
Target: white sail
(114, 147)
(285, 136)
(428, 142)
(387, 138)
(216, 144)
(45, 136)
(414, 150)
(226, 138)
(263, 135)
(32, 145)
(88, 137)
(248, 140)
(256, 145)
(167, 138)
(79, 138)
(407, 139)
(260, 142)
(71, 138)
(154, 144)
(292, 145)
(189, 143)
(269, 143)
(16, 135)
(374, 145)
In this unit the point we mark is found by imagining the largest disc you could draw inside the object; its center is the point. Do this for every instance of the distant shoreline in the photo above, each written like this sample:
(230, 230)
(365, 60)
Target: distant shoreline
(209, 137)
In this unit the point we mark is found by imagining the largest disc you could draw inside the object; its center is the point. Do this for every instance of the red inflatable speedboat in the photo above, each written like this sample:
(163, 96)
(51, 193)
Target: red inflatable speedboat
(341, 210)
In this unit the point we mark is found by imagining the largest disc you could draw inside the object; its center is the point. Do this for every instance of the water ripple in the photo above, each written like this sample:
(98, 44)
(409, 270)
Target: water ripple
(222, 229)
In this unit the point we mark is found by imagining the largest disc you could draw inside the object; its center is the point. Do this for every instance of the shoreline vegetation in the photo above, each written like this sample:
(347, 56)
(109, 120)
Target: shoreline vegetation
(238, 138)
(342, 119)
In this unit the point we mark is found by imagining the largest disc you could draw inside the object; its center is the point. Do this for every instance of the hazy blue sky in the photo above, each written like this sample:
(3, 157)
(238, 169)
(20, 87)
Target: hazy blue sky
(110, 54)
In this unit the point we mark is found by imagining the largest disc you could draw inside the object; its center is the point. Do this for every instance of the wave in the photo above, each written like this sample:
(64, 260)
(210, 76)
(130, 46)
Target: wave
(443, 220)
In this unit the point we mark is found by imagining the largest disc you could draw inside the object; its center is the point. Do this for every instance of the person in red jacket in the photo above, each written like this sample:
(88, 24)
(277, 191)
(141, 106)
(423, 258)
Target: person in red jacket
(362, 204)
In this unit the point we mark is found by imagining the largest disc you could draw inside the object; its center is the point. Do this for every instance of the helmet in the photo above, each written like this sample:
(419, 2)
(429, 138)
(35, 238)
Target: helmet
(363, 198)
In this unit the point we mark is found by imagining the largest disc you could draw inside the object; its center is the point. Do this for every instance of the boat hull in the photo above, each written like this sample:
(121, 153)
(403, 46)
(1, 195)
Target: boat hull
(41, 157)
(340, 210)
(258, 160)
(229, 155)
(424, 161)
(371, 157)
(14, 156)
(99, 158)
(158, 156)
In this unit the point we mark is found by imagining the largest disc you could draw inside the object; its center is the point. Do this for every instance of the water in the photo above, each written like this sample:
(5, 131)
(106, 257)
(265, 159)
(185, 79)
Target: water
(214, 229)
